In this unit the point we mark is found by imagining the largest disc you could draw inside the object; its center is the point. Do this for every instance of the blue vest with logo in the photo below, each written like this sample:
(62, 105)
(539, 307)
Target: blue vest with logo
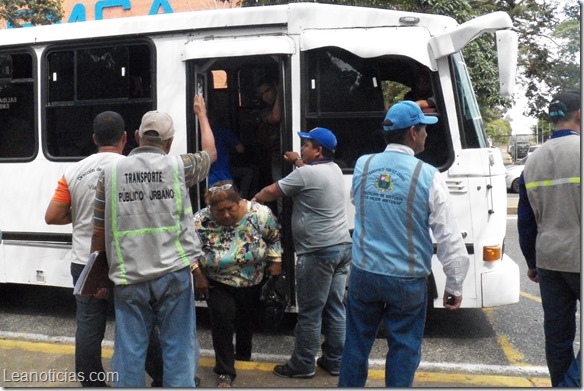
(391, 196)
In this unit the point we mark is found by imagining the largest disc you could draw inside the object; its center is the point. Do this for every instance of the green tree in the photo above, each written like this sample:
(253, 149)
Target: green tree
(37, 12)
(499, 131)
(549, 52)
(549, 48)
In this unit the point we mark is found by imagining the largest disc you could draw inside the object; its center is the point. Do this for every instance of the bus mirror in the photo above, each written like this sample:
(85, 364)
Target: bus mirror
(507, 58)
(453, 41)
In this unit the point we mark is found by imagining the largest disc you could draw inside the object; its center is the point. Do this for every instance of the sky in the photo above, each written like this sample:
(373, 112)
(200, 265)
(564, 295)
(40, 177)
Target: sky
(520, 124)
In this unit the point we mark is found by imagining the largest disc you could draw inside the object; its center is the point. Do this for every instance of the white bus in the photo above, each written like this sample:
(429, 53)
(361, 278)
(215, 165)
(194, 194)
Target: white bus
(338, 67)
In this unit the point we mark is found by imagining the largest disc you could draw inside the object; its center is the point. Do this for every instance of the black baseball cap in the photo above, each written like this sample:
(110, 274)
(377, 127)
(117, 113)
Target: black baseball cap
(563, 103)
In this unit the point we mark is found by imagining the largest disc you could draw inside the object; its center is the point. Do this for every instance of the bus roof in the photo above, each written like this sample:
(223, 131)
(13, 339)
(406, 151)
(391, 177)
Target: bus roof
(294, 18)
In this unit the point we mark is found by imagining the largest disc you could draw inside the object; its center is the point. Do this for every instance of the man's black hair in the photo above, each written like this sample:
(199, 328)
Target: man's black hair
(397, 136)
(108, 128)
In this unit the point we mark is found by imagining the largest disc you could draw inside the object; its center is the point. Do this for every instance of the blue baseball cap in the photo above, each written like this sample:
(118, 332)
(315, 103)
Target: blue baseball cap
(325, 137)
(405, 114)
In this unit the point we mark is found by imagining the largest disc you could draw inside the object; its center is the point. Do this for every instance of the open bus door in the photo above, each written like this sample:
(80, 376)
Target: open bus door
(199, 87)
(230, 73)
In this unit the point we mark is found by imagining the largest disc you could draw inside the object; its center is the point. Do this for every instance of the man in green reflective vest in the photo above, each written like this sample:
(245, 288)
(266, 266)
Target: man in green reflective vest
(143, 220)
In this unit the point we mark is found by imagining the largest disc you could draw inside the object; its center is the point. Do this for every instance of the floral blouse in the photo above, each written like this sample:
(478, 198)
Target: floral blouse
(238, 255)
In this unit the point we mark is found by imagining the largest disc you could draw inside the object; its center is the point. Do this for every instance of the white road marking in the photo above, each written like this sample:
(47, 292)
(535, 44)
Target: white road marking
(503, 370)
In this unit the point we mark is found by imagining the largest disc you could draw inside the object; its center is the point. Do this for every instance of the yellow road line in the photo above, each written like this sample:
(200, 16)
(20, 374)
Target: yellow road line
(478, 380)
(425, 377)
(375, 374)
(44, 347)
(532, 297)
(513, 355)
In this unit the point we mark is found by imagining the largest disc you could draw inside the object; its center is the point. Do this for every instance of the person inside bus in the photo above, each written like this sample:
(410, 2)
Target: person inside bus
(73, 203)
(225, 142)
(269, 128)
(269, 136)
(421, 92)
(241, 240)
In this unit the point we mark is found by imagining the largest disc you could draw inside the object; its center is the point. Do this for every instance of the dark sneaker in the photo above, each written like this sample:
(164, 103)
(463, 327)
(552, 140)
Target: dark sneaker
(333, 372)
(285, 371)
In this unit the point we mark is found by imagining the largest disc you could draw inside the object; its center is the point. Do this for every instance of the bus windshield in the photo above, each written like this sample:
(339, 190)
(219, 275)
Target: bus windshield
(472, 134)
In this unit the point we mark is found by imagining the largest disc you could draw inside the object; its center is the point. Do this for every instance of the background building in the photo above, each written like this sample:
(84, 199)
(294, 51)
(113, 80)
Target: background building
(83, 10)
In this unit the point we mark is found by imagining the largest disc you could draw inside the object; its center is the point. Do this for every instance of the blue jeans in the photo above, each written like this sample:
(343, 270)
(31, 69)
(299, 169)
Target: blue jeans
(401, 303)
(91, 317)
(560, 292)
(572, 378)
(320, 286)
(168, 302)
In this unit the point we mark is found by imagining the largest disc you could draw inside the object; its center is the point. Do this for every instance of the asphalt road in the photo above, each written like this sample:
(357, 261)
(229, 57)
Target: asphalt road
(504, 340)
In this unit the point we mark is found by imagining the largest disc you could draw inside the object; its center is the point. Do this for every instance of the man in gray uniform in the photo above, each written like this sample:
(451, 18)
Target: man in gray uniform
(548, 219)
(323, 246)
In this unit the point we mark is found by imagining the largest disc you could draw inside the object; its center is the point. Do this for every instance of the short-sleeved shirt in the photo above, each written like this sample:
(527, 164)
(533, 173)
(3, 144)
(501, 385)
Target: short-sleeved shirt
(319, 217)
(77, 188)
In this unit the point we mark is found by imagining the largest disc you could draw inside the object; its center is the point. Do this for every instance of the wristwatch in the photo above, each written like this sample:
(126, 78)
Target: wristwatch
(298, 158)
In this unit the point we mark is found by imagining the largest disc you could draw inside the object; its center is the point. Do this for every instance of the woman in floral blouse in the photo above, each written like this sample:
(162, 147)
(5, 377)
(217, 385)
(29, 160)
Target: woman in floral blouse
(240, 239)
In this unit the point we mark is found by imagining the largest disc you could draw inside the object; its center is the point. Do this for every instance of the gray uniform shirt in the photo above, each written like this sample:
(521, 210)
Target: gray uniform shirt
(319, 219)
(552, 180)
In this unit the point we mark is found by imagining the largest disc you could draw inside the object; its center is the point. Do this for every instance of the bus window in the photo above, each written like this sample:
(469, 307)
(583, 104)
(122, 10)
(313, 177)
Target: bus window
(17, 126)
(84, 81)
(339, 70)
(350, 95)
(219, 80)
(102, 73)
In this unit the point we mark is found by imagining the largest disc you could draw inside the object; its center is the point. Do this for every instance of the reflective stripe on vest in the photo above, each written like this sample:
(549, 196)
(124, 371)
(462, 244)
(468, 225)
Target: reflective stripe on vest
(410, 214)
(176, 228)
(409, 207)
(362, 206)
(552, 182)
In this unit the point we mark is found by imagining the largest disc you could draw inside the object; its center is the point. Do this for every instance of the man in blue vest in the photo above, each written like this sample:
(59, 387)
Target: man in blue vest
(143, 220)
(548, 220)
(398, 199)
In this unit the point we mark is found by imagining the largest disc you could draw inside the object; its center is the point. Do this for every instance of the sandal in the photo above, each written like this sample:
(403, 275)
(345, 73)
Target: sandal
(224, 381)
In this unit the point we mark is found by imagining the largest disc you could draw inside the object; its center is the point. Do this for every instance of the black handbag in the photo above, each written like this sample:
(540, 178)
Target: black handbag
(274, 297)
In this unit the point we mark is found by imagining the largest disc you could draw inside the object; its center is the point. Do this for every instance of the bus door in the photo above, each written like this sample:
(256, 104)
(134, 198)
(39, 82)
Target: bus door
(248, 96)
(198, 87)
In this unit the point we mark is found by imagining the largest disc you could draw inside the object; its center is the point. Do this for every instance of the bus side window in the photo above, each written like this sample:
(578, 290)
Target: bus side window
(86, 80)
(17, 128)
